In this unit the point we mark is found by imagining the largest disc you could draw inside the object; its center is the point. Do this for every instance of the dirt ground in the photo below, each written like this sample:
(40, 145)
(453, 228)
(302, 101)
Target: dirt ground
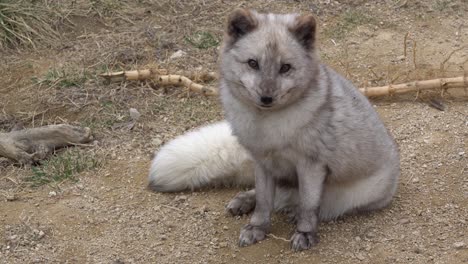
(107, 215)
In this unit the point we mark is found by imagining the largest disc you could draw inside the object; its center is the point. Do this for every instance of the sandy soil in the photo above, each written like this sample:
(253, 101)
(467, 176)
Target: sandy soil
(109, 216)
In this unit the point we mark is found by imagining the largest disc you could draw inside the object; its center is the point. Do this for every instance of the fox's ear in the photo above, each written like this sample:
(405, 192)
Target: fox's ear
(304, 31)
(240, 22)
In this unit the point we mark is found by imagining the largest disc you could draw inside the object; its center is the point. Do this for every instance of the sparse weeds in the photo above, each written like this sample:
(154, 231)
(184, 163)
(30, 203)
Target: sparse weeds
(63, 78)
(348, 22)
(202, 40)
(441, 5)
(61, 167)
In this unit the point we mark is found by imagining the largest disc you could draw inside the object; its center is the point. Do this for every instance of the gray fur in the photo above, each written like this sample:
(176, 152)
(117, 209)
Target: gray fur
(320, 133)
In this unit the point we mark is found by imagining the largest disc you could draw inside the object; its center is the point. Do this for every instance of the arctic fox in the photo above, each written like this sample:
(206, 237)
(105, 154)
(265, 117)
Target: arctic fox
(304, 135)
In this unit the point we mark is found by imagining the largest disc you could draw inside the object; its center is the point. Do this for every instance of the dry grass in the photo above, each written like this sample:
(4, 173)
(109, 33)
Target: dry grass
(27, 23)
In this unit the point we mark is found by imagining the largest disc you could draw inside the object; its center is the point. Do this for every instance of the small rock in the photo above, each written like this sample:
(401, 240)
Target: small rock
(163, 237)
(415, 180)
(178, 54)
(41, 234)
(459, 245)
(181, 198)
(10, 197)
(52, 194)
(134, 114)
(156, 142)
(360, 256)
(461, 153)
(204, 209)
(404, 221)
(358, 239)
(223, 244)
(225, 228)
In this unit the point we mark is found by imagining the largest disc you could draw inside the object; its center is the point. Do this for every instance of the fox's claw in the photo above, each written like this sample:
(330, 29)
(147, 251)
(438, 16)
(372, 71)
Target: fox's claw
(303, 240)
(250, 235)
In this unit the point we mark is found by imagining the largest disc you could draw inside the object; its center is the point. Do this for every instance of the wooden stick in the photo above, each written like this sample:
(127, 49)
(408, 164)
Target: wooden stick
(192, 86)
(150, 74)
(416, 86)
(442, 83)
(29, 146)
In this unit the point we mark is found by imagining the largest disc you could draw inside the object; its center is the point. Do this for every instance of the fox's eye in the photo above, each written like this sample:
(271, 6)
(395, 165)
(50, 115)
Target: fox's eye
(285, 68)
(253, 64)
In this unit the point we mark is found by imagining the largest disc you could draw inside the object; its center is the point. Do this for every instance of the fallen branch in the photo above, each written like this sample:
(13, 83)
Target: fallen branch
(166, 79)
(29, 146)
(442, 83)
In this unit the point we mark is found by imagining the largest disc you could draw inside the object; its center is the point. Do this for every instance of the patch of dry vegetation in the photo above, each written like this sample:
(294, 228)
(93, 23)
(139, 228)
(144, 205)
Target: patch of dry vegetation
(28, 23)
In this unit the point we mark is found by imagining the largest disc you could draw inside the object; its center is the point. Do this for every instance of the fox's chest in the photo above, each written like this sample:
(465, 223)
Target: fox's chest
(273, 144)
(262, 138)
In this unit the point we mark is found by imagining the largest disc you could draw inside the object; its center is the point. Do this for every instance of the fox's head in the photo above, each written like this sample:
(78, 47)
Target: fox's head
(269, 60)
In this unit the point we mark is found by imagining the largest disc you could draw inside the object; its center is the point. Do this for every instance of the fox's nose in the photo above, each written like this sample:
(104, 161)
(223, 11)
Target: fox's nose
(266, 100)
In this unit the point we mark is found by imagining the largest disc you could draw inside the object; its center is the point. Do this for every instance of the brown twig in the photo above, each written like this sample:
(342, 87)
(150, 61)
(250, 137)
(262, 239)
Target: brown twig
(442, 83)
(163, 79)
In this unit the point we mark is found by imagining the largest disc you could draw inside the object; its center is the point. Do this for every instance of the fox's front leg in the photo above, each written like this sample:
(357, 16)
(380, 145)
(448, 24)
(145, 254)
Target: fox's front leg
(310, 180)
(260, 221)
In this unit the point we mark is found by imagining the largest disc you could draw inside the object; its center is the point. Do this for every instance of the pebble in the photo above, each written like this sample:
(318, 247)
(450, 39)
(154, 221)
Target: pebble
(459, 245)
(52, 194)
(156, 142)
(178, 54)
(41, 234)
(225, 227)
(223, 244)
(404, 221)
(181, 198)
(134, 114)
(11, 197)
(360, 256)
(415, 180)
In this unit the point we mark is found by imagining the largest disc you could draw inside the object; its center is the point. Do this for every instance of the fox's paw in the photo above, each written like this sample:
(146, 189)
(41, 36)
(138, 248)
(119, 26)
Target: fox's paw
(242, 203)
(303, 240)
(251, 234)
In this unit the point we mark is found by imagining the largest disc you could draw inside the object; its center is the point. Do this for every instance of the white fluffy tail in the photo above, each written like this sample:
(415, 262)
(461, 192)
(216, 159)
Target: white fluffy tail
(208, 156)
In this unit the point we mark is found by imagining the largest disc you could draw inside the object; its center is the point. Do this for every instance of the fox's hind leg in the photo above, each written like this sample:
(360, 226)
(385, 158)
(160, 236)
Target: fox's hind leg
(242, 203)
(364, 195)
